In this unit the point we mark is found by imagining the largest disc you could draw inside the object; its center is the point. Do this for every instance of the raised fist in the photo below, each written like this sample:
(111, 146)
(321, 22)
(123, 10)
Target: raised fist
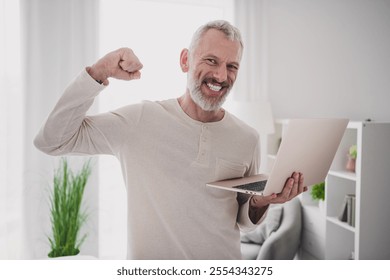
(120, 64)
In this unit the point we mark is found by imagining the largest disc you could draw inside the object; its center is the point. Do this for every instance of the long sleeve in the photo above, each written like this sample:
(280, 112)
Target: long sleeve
(69, 131)
(243, 220)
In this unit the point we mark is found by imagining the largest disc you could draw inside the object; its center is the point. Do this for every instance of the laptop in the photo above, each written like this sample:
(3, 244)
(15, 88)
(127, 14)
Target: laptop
(308, 146)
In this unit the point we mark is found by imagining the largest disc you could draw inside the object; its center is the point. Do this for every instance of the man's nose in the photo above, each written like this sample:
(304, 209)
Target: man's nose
(220, 73)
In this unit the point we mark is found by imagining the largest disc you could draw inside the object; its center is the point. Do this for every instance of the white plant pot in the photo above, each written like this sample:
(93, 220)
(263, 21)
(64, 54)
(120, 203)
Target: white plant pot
(321, 206)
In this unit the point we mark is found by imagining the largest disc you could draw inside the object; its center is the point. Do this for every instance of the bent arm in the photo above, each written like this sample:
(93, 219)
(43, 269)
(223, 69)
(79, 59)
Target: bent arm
(69, 131)
(246, 221)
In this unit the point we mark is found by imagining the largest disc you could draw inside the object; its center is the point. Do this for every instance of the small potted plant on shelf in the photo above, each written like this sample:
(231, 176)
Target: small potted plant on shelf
(352, 154)
(318, 194)
(66, 214)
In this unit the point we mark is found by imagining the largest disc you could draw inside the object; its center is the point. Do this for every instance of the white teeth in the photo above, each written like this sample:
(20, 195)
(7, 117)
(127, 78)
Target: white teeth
(214, 87)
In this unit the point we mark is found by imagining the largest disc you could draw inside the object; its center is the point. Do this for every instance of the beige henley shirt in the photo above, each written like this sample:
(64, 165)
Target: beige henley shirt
(166, 158)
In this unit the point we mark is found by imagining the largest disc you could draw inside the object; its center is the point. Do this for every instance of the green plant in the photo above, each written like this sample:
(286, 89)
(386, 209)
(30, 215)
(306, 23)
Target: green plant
(318, 191)
(353, 151)
(66, 214)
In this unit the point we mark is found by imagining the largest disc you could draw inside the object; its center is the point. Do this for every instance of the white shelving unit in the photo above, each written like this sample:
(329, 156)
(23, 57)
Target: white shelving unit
(370, 183)
(324, 236)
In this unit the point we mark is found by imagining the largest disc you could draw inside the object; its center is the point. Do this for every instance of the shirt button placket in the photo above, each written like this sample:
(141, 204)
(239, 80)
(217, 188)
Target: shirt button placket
(203, 146)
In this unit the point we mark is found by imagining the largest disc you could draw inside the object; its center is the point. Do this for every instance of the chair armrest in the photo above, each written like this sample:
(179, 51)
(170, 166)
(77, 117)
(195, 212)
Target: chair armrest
(284, 243)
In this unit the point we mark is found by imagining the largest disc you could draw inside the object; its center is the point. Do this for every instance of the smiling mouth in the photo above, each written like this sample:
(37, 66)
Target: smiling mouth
(213, 87)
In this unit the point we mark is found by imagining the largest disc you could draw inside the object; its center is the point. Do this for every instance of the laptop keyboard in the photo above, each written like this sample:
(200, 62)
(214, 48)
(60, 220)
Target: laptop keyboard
(255, 186)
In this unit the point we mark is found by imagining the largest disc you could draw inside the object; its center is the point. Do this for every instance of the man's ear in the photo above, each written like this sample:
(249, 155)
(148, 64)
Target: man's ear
(184, 60)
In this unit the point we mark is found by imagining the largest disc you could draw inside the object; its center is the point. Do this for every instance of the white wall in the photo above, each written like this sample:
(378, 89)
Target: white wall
(328, 58)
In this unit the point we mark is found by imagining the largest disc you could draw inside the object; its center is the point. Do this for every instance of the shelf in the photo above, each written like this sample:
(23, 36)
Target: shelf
(336, 221)
(368, 238)
(354, 125)
(343, 174)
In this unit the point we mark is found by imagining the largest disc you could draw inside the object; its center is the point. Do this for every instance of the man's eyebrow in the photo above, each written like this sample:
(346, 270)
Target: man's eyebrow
(236, 64)
(208, 56)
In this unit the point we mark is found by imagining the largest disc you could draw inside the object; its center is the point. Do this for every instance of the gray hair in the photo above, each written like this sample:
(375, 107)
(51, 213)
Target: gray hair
(231, 32)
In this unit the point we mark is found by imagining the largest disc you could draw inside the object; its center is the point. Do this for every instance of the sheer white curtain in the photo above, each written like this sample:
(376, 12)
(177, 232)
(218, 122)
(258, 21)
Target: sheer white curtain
(250, 98)
(11, 132)
(59, 38)
(249, 16)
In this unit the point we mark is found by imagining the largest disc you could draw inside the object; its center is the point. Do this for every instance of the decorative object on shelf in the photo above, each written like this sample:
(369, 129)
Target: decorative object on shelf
(351, 163)
(347, 213)
(65, 214)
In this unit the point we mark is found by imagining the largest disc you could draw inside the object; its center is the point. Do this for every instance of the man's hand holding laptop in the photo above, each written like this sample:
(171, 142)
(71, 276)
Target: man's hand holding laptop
(308, 147)
(259, 204)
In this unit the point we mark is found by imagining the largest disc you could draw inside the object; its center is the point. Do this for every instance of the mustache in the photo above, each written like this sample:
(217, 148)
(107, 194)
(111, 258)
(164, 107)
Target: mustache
(214, 81)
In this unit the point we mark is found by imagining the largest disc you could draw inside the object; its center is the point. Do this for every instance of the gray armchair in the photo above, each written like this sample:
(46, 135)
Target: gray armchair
(278, 236)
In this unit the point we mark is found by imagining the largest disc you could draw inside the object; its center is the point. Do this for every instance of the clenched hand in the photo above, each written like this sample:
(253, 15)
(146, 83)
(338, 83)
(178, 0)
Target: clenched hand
(120, 64)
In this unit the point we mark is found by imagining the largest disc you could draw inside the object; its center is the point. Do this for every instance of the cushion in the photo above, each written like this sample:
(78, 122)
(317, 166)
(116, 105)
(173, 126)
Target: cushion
(270, 224)
(250, 251)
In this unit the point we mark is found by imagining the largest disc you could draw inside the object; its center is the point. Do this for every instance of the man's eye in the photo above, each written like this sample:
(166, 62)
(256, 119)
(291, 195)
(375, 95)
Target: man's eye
(233, 67)
(211, 61)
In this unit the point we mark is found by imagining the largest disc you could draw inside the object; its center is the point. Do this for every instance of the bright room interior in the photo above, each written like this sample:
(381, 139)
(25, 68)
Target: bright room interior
(302, 59)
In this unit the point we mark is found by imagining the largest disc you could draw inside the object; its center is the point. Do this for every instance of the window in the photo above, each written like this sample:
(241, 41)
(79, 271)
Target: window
(156, 31)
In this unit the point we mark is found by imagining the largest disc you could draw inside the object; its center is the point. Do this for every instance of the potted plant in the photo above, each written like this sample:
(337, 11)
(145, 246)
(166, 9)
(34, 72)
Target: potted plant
(318, 194)
(318, 191)
(352, 154)
(66, 214)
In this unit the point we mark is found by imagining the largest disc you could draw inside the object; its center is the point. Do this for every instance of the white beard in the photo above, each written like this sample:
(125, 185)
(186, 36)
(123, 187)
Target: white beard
(200, 100)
